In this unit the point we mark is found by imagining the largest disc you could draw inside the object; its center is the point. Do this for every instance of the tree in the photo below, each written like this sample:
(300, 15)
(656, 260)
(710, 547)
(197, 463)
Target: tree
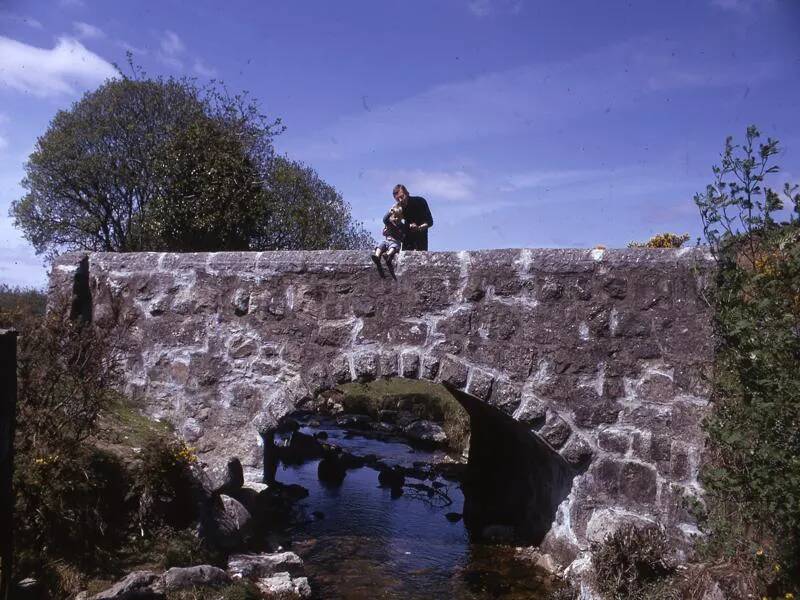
(308, 213)
(162, 164)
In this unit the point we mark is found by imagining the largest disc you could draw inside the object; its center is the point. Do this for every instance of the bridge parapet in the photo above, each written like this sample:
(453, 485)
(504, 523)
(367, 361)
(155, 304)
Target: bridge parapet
(602, 353)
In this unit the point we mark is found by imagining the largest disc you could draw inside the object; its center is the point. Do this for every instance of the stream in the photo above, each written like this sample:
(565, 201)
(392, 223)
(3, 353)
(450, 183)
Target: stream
(360, 540)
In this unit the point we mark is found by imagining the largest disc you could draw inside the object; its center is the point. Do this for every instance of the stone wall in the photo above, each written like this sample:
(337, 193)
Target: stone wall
(601, 353)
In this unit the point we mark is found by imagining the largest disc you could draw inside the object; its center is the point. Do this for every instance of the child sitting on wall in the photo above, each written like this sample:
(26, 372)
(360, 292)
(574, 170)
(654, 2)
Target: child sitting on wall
(393, 233)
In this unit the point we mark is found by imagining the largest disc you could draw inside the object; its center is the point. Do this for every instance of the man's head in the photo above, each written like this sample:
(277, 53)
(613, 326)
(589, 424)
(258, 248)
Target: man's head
(400, 194)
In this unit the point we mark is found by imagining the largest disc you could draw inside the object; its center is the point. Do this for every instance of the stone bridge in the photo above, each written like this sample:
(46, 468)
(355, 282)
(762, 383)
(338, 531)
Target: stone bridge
(600, 355)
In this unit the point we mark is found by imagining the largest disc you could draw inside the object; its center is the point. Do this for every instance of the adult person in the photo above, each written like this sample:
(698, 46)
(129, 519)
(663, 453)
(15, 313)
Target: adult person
(417, 217)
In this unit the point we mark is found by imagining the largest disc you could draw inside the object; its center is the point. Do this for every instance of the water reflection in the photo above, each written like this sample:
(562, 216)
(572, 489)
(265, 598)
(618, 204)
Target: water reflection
(359, 542)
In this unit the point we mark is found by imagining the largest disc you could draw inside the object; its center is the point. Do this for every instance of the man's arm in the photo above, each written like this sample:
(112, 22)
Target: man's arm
(428, 217)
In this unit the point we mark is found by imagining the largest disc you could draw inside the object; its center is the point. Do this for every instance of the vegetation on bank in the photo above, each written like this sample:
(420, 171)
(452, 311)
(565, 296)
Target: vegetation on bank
(100, 489)
(752, 472)
(427, 400)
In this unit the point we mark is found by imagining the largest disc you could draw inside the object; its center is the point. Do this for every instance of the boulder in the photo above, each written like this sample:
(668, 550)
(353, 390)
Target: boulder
(405, 418)
(331, 470)
(392, 478)
(283, 586)
(387, 416)
(385, 428)
(139, 585)
(258, 566)
(249, 495)
(234, 478)
(231, 523)
(202, 575)
(301, 448)
(426, 431)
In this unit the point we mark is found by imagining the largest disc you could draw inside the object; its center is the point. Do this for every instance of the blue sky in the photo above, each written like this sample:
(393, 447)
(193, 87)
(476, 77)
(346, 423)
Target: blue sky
(524, 124)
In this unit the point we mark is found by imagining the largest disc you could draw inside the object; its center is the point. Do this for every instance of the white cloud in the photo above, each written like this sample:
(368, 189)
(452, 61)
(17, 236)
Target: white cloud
(171, 43)
(550, 179)
(484, 8)
(135, 50)
(3, 143)
(66, 69)
(72, 3)
(445, 185)
(740, 6)
(203, 70)
(172, 48)
(480, 8)
(87, 31)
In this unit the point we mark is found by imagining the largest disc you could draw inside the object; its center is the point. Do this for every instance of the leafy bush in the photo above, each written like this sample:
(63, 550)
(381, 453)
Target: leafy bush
(18, 305)
(82, 506)
(634, 563)
(70, 497)
(662, 240)
(753, 478)
(165, 485)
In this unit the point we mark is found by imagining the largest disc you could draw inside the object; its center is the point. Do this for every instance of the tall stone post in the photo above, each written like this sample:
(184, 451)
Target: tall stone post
(8, 407)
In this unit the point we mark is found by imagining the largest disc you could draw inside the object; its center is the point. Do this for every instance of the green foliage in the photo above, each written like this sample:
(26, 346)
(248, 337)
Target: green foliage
(428, 401)
(86, 503)
(69, 496)
(165, 485)
(161, 164)
(20, 306)
(634, 563)
(662, 240)
(308, 213)
(753, 478)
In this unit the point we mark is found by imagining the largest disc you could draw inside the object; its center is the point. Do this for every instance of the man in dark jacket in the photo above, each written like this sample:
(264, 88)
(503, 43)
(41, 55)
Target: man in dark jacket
(417, 216)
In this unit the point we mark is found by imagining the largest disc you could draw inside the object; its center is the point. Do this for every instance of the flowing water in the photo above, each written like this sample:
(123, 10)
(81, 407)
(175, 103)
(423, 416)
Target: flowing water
(358, 541)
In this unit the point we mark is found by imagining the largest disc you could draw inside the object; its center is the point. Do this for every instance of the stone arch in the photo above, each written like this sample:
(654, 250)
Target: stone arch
(485, 385)
(515, 477)
(600, 353)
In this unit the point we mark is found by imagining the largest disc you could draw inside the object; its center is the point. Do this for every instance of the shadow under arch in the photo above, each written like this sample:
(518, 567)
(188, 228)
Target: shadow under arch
(514, 478)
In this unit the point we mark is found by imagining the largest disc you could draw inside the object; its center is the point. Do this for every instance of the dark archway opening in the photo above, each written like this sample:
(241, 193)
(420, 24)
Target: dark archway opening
(514, 481)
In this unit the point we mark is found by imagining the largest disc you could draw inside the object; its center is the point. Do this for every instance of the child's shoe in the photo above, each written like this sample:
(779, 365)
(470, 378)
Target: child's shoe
(377, 261)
